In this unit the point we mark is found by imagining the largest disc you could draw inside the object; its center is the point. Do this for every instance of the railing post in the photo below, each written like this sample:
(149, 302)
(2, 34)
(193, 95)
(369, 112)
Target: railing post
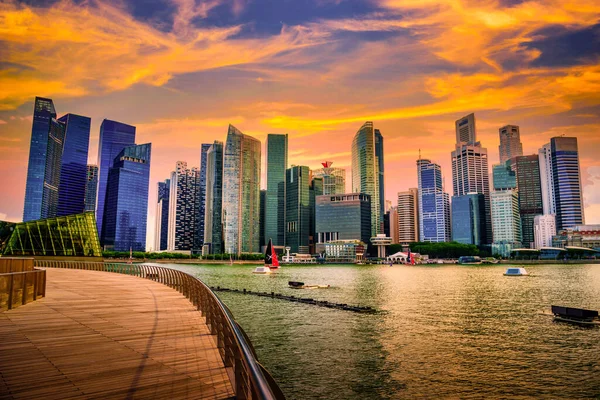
(10, 291)
(35, 284)
(24, 289)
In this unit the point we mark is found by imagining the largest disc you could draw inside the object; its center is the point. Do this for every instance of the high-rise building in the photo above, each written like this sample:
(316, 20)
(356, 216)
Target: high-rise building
(342, 217)
(114, 137)
(73, 170)
(161, 232)
(297, 209)
(468, 219)
(434, 204)
(380, 164)
(394, 228)
(567, 182)
(465, 130)
(277, 161)
(408, 216)
(544, 227)
(241, 193)
(54, 152)
(91, 188)
(506, 221)
(504, 176)
(201, 202)
(366, 172)
(183, 207)
(470, 174)
(334, 179)
(263, 196)
(546, 179)
(126, 209)
(530, 195)
(316, 189)
(43, 115)
(510, 143)
(213, 222)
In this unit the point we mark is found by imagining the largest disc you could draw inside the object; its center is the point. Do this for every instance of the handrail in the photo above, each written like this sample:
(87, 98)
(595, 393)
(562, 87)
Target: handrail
(30, 286)
(249, 378)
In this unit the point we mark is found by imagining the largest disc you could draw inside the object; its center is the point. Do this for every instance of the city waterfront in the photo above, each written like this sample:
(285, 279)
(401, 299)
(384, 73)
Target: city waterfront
(443, 331)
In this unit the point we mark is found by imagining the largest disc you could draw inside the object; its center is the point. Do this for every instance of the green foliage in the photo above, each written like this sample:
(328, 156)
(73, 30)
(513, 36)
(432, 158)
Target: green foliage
(181, 256)
(439, 250)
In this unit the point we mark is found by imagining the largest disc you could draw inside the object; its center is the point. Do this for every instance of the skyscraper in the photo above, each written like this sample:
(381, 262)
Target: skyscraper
(465, 130)
(213, 223)
(530, 195)
(73, 170)
(334, 179)
(261, 230)
(567, 182)
(434, 204)
(470, 174)
(162, 216)
(546, 179)
(297, 209)
(114, 137)
(380, 163)
(544, 227)
(201, 202)
(510, 143)
(125, 218)
(277, 161)
(43, 114)
(183, 207)
(504, 176)
(91, 188)
(54, 152)
(468, 219)
(241, 192)
(394, 228)
(408, 216)
(506, 221)
(365, 172)
(316, 189)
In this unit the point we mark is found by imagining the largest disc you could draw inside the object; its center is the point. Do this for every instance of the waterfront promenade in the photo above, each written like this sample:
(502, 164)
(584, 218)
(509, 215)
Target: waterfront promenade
(105, 335)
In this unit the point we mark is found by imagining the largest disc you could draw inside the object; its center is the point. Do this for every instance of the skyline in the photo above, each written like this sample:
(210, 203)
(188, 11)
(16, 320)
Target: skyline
(309, 78)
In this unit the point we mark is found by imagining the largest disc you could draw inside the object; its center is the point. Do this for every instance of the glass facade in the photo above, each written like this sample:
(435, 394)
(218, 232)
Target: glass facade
(567, 182)
(316, 189)
(73, 170)
(114, 137)
(54, 152)
(241, 193)
(434, 204)
(530, 196)
(468, 219)
(365, 172)
(506, 220)
(43, 113)
(277, 161)
(201, 202)
(380, 164)
(126, 210)
(162, 215)
(184, 196)
(91, 188)
(71, 235)
(213, 222)
(504, 176)
(297, 209)
(334, 179)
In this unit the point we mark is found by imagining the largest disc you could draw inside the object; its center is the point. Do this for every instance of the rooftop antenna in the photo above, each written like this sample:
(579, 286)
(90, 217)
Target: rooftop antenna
(419, 154)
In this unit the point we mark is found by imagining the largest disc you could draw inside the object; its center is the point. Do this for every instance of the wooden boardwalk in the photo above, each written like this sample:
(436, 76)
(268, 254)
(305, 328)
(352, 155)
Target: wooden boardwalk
(99, 335)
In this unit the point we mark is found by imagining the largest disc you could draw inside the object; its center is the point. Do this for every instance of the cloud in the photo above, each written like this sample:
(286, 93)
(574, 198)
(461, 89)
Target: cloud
(2, 122)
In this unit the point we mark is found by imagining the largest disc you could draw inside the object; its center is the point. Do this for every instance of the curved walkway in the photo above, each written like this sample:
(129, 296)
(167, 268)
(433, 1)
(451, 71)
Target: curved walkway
(109, 336)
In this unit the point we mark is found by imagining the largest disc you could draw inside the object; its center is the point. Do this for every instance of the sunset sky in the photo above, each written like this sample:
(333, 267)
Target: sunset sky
(182, 70)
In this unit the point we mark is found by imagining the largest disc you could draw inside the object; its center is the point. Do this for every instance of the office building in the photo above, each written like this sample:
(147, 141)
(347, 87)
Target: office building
(73, 169)
(465, 130)
(342, 217)
(366, 172)
(544, 228)
(567, 182)
(510, 143)
(183, 207)
(241, 193)
(200, 203)
(91, 188)
(213, 223)
(470, 174)
(506, 221)
(297, 209)
(380, 164)
(582, 236)
(546, 179)
(277, 161)
(468, 219)
(504, 176)
(434, 204)
(126, 207)
(394, 228)
(161, 232)
(54, 152)
(114, 137)
(408, 216)
(530, 195)
(334, 179)
(316, 189)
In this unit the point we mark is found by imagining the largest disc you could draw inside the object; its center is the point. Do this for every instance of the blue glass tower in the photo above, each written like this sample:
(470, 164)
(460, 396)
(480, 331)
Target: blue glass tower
(468, 219)
(114, 137)
(379, 156)
(567, 182)
(162, 215)
(434, 204)
(73, 170)
(126, 208)
(54, 151)
(91, 188)
(277, 161)
(43, 113)
(201, 202)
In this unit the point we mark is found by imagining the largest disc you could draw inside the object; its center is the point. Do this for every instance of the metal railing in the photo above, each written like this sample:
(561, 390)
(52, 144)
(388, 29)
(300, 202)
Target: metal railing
(20, 288)
(249, 378)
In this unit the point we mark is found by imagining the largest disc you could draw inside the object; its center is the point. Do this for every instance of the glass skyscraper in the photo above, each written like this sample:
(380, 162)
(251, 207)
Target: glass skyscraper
(201, 202)
(114, 137)
(468, 219)
(297, 213)
(213, 223)
(184, 196)
(334, 179)
(366, 172)
(434, 203)
(162, 215)
(567, 182)
(277, 161)
(504, 176)
(91, 188)
(125, 218)
(43, 114)
(380, 163)
(241, 192)
(316, 189)
(73, 171)
(530, 195)
(506, 222)
(54, 152)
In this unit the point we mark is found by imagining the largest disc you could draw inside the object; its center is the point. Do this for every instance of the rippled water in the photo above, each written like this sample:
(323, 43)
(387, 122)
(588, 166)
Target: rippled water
(447, 331)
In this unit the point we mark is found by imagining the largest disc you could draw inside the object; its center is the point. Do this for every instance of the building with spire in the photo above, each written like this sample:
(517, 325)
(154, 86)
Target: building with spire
(334, 179)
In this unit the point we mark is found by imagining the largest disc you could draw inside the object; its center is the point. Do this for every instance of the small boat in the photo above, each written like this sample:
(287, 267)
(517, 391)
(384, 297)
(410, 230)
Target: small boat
(578, 316)
(301, 285)
(271, 261)
(469, 260)
(516, 272)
